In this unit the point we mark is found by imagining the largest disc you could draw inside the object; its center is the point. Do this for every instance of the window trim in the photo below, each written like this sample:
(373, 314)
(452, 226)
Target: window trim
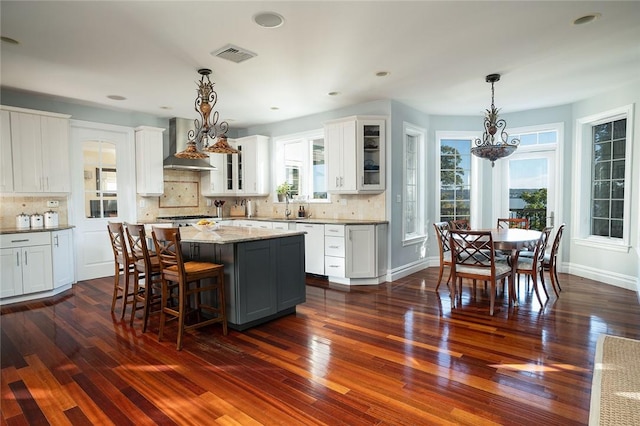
(419, 133)
(476, 188)
(277, 155)
(583, 147)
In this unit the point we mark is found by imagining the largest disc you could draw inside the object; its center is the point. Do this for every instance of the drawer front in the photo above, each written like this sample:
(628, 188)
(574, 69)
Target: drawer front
(334, 230)
(334, 246)
(334, 266)
(25, 239)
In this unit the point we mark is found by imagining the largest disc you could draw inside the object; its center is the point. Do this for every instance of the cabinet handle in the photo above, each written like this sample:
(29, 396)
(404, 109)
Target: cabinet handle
(334, 266)
(341, 181)
(26, 258)
(56, 241)
(47, 180)
(334, 247)
(17, 258)
(337, 181)
(19, 241)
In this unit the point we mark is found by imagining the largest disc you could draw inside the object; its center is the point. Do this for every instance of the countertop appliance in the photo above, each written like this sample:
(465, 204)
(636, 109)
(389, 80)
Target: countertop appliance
(181, 221)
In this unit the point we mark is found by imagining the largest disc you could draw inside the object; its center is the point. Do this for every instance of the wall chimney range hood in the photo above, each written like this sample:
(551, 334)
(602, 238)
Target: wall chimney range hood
(178, 129)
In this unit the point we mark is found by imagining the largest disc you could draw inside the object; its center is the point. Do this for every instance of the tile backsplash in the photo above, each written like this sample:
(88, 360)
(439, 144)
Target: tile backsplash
(182, 197)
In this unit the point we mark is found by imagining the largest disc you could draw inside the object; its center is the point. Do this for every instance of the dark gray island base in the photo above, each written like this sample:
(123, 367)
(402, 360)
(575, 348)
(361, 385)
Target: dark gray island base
(264, 270)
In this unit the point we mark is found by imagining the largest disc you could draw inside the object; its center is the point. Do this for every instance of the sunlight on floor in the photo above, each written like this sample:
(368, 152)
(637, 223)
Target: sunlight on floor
(539, 368)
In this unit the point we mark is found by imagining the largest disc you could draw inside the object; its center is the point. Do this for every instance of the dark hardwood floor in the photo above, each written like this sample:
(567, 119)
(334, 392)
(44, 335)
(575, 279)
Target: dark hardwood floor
(392, 354)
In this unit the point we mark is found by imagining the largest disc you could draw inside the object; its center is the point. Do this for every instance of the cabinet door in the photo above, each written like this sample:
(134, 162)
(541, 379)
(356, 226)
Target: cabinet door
(213, 183)
(254, 166)
(290, 271)
(62, 257)
(257, 294)
(54, 138)
(361, 251)
(149, 161)
(333, 146)
(37, 273)
(6, 160)
(314, 247)
(10, 272)
(371, 155)
(340, 141)
(27, 152)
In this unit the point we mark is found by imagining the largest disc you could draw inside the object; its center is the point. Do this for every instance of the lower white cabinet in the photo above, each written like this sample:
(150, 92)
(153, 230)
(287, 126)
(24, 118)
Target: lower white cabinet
(35, 264)
(26, 263)
(62, 256)
(313, 247)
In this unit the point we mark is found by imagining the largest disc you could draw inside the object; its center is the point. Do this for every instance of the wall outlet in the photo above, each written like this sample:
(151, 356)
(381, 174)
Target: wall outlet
(342, 201)
(142, 203)
(53, 203)
(208, 202)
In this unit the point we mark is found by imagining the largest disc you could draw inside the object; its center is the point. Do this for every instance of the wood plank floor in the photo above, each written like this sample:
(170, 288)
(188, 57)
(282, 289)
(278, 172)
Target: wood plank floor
(394, 354)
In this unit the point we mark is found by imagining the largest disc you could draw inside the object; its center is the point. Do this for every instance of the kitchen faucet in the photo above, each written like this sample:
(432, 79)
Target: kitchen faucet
(287, 212)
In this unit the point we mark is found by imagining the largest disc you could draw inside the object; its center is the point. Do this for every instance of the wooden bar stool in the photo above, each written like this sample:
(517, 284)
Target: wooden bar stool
(188, 276)
(123, 265)
(147, 268)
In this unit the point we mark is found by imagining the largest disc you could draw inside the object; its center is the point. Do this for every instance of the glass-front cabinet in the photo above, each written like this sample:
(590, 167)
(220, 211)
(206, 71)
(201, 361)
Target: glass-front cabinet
(355, 154)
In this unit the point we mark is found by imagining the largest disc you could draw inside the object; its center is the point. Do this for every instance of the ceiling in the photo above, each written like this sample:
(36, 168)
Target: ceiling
(437, 54)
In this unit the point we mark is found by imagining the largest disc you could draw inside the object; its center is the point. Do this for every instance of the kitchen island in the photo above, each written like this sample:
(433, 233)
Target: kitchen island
(264, 269)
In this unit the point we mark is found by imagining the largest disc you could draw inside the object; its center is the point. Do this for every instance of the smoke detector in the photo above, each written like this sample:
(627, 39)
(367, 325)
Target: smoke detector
(233, 53)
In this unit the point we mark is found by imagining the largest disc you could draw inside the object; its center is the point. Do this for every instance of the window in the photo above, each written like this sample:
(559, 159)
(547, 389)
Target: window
(100, 179)
(607, 175)
(300, 161)
(414, 177)
(602, 208)
(455, 179)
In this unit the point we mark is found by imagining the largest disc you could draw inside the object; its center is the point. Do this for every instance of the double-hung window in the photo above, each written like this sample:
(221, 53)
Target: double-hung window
(300, 161)
(413, 221)
(454, 176)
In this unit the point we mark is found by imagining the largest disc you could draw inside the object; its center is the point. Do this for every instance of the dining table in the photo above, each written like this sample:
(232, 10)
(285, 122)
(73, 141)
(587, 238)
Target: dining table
(512, 241)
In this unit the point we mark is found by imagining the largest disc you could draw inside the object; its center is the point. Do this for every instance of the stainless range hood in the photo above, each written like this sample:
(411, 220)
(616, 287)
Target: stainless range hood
(178, 129)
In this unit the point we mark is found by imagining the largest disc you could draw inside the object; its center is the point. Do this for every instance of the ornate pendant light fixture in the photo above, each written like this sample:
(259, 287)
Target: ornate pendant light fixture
(207, 128)
(489, 146)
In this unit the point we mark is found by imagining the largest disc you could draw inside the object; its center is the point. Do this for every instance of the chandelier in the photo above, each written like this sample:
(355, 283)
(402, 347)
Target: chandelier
(490, 147)
(207, 129)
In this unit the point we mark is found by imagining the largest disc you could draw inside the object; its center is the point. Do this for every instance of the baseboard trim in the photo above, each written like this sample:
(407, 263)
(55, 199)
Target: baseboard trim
(607, 277)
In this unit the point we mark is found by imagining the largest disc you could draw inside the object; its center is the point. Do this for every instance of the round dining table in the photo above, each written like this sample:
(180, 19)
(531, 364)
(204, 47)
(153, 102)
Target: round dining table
(513, 240)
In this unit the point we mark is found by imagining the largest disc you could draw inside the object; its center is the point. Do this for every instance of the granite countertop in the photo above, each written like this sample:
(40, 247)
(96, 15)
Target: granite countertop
(232, 234)
(22, 231)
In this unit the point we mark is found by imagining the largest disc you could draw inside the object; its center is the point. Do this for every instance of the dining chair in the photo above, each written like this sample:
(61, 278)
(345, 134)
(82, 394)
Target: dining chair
(188, 277)
(532, 266)
(123, 265)
(513, 222)
(442, 236)
(147, 268)
(473, 257)
(459, 224)
(550, 261)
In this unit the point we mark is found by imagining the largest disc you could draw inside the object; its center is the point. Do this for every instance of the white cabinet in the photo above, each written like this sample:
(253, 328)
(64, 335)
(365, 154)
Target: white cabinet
(62, 258)
(243, 174)
(40, 152)
(355, 149)
(149, 158)
(6, 161)
(313, 247)
(26, 263)
(355, 254)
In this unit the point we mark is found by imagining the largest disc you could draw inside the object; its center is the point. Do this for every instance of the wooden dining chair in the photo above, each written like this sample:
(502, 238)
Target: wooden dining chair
(550, 261)
(123, 265)
(513, 222)
(532, 266)
(189, 277)
(459, 224)
(146, 269)
(473, 257)
(442, 236)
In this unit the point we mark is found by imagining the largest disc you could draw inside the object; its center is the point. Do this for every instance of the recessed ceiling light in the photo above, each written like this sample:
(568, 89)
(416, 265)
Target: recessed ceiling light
(269, 19)
(116, 97)
(9, 40)
(333, 93)
(275, 108)
(586, 19)
(382, 73)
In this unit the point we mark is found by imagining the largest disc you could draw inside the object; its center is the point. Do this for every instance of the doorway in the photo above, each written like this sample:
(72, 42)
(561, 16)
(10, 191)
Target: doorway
(102, 190)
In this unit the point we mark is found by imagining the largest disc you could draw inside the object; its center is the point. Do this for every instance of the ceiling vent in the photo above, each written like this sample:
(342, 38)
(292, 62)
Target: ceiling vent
(233, 53)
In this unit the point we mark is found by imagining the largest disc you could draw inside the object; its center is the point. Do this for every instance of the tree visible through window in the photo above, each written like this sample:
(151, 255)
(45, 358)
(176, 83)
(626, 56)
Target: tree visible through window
(455, 171)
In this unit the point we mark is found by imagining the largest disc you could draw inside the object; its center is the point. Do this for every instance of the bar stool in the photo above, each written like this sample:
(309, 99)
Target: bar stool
(188, 276)
(123, 265)
(147, 267)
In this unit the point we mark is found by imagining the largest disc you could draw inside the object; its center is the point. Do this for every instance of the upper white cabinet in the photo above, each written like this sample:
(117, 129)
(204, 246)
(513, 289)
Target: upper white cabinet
(39, 150)
(149, 158)
(356, 154)
(243, 174)
(6, 161)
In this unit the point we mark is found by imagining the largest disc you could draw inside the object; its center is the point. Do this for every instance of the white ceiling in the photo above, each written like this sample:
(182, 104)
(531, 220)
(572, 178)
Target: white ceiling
(437, 52)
